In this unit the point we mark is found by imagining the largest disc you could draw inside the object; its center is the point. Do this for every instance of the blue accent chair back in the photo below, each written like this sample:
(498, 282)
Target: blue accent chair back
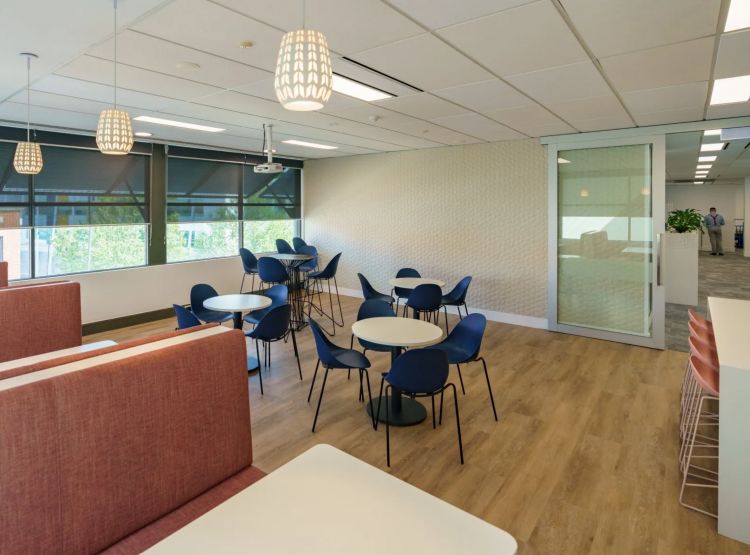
(374, 308)
(185, 318)
(310, 265)
(458, 293)
(274, 324)
(249, 262)
(466, 336)
(282, 247)
(426, 297)
(278, 294)
(324, 346)
(405, 272)
(200, 293)
(271, 270)
(419, 371)
(368, 291)
(329, 272)
(298, 242)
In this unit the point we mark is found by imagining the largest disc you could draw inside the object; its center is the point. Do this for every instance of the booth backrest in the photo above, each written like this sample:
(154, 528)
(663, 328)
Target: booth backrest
(3, 273)
(95, 449)
(39, 318)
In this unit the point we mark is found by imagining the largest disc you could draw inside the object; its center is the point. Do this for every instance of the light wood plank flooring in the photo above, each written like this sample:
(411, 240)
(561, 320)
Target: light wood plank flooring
(583, 459)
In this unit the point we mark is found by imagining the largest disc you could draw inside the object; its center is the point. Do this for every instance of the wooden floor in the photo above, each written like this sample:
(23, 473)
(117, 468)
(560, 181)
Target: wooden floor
(583, 459)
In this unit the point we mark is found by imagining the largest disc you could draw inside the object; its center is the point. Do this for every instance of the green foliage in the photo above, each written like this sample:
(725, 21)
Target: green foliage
(685, 221)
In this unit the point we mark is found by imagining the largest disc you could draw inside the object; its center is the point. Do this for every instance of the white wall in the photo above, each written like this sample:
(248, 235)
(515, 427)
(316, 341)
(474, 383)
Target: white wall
(115, 293)
(478, 210)
(729, 201)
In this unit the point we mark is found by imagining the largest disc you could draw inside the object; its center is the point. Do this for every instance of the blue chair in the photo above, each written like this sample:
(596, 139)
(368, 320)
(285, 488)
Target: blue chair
(298, 242)
(282, 247)
(310, 265)
(331, 357)
(272, 271)
(250, 267)
(419, 373)
(426, 299)
(457, 298)
(274, 326)
(373, 308)
(185, 318)
(462, 346)
(369, 292)
(200, 293)
(315, 281)
(278, 294)
(403, 292)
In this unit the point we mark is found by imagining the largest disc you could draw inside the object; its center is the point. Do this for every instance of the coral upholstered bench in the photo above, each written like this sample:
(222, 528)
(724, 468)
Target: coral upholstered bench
(115, 449)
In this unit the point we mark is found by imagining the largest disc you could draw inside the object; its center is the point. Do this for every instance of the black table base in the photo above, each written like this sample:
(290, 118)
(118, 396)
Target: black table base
(410, 412)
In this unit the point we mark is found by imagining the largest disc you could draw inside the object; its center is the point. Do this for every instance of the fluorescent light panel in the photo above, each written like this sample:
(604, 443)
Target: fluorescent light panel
(563, 161)
(708, 132)
(356, 89)
(182, 124)
(703, 166)
(706, 158)
(731, 90)
(310, 145)
(738, 16)
(142, 134)
(699, 182)
(711, 147)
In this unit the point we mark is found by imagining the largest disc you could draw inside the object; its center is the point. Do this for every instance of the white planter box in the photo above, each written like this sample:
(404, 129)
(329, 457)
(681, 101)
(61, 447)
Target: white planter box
(680, 266)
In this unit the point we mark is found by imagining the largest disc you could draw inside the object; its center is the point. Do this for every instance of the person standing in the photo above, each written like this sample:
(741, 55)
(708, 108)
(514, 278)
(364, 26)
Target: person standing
(714, 221)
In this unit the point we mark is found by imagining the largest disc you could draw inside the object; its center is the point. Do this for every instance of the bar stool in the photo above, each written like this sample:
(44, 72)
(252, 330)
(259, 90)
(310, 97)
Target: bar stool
(315, 288)
(706, 378)
(271, 271)
(706, 352)
(699, 320)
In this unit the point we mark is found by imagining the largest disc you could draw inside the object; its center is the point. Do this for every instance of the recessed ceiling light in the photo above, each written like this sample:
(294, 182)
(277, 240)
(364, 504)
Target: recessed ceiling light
(703, 166)
(708, 147)
(706, 158)
(563, 161)
(730, 90)
(142, 134)
(584, 193)
(190, 66)
(738, 16)
(247, 44)
(310, 145)
(699, 182)
(185, 125)
(712, 132)
(349, 87)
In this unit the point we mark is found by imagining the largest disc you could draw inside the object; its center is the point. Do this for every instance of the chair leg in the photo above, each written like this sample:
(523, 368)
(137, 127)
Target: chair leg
(387, 429)
(322, 388)
(243, 282)
(461, 379)
(361, 397)
(440, 420)
(458, 423)
(349, 374)
(338, 300)
(351, 343)
(489, 387)
(398, 300)
(445, 309)
(296, 353)
(260, 368)
(432, 399)
(380, 399)
(252, 285)
(312, 383)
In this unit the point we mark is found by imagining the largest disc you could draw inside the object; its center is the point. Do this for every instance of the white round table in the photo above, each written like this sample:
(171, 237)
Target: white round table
(412, 282)
(237, 304)
(398, 333)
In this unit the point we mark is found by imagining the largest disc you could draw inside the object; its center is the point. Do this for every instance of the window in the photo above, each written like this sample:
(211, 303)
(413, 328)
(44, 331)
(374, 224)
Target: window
(15, 233)
(271, 208)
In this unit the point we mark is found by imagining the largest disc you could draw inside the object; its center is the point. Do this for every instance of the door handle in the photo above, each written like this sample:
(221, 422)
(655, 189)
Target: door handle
(658, 259)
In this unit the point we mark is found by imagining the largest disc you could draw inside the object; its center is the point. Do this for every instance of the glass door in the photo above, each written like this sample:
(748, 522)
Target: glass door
(606, 216)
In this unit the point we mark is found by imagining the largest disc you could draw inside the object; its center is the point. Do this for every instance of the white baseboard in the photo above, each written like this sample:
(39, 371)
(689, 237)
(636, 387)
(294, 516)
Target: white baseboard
(493, 315)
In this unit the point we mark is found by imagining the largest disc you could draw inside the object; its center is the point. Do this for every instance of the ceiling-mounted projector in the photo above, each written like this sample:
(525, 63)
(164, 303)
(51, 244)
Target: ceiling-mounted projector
(270, 166)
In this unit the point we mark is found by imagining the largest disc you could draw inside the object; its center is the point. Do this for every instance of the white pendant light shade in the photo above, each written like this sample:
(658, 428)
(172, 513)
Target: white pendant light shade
(28, 158)
(114, 134)
(303, 71)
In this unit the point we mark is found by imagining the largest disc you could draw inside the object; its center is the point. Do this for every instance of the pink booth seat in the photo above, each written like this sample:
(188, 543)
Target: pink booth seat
(39, 318)
(113, 452)
(3, 273)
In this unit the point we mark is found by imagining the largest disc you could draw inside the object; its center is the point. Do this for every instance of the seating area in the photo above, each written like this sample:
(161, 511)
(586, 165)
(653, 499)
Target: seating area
(374, 276)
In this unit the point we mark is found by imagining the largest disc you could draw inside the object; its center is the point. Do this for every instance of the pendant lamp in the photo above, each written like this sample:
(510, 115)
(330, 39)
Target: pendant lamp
(28, 158)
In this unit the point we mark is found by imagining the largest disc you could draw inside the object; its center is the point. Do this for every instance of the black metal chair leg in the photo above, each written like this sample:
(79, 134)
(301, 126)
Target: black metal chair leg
(252, 285)
(312, 383)
(351, 343)
(243, 282)
(461, 378)
(440, 420)
(260, 368)
(338, 300)
(387, 429)
(432, 399)
(380, 399)
(349, 374)
(489, 387)
(458, 423)
(369, 396)
(296, 354)
(322, 388)
(361, 398)
(445, 309)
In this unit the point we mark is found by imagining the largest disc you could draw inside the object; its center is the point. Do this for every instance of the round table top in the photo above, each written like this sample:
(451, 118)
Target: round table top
(287, 256)
(397, 332)
(237, 303)
(412, 282)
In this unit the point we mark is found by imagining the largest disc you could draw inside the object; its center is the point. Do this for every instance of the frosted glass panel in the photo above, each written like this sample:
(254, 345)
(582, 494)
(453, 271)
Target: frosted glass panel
(605, 239)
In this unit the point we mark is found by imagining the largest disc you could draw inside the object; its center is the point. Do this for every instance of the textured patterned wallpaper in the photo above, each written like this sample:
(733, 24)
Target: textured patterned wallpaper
(478, 210)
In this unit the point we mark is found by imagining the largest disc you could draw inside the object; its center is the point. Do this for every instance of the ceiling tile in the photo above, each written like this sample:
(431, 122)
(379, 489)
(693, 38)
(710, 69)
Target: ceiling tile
(533, 120)
(186, 22)
(602, 107)
(670, 116)
(479, 126)
(729, 110)
(283, 14)
(423, 106)
(485, 96)
(676, 97)
(519, 40)
(423, 61)
(147, 52)
(55, 117)
(441, 13)
(562, 84)
(62, 102)
(733, 59)
(675, 64)
(603, 123)
(612, 27)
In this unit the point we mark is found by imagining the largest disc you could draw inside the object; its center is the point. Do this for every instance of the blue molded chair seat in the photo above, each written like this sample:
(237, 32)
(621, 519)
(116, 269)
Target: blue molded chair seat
(200, 293)
(374, 308)
(349, 358)
(310, 265)
(271, 270)
(283, 247)
(185, 318)
(370, 293)
(457, 354)
(298, 242)
(273, 327)
(278, 294)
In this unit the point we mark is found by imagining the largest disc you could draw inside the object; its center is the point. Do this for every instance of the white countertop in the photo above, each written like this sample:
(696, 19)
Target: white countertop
(237, 303)
(731, 324)
(326, 502)
(412, 282)
(397, 332)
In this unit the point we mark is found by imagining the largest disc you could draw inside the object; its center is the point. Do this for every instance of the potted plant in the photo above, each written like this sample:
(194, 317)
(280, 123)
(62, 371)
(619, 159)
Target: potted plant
(680, 251)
